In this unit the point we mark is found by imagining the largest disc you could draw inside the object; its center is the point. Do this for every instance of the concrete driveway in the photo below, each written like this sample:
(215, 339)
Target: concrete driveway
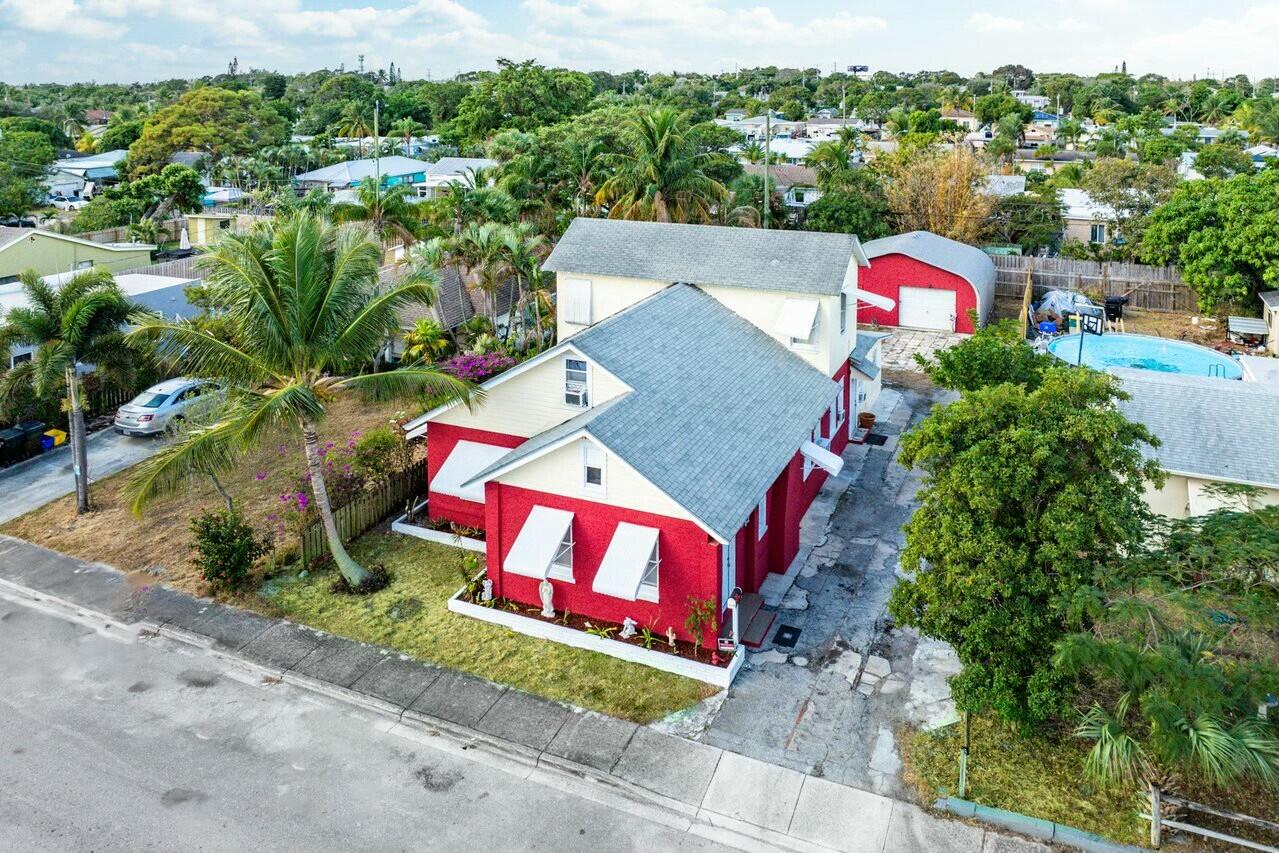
(901, 347)
(828, 705)
(32, 484)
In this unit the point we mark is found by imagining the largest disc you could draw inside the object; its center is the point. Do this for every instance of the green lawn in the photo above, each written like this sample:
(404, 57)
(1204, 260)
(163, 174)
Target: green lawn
(411, 615)
(1037, 776)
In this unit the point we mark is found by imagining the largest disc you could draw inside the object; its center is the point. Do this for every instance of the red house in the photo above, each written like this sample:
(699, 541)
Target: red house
(669, 444)
(935, 282)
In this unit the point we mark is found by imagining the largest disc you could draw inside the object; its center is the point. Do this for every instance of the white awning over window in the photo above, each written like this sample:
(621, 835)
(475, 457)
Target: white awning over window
(539, 539)
(797, 318)
(625, 561)
(872, 299)
(467, 459)
(822, 458)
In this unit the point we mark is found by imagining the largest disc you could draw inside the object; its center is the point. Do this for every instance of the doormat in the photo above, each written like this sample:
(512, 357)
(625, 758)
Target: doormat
(786, 636)
(876, 439)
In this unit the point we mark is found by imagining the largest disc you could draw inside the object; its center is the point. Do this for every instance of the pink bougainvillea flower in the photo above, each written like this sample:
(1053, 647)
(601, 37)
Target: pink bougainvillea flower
(260, 476)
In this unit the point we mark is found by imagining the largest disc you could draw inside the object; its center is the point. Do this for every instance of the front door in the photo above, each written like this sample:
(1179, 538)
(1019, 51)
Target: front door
(728, 571)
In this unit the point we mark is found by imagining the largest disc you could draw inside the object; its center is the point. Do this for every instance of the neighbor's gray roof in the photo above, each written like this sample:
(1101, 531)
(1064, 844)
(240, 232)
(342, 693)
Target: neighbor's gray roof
(967, 262)
(1217, 429)
(459, 165)
(790, 261)
(783, 176)
(454, 304)
(353, 171)
(10, 235)
(717, 409)
(1271, 299)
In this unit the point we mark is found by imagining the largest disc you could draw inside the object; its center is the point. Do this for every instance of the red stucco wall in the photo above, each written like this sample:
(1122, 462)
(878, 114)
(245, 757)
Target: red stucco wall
(690, 559)
(440, 439)
(887, 273)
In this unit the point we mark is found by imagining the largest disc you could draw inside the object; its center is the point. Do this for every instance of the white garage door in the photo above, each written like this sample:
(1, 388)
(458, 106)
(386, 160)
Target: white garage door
(926, 308)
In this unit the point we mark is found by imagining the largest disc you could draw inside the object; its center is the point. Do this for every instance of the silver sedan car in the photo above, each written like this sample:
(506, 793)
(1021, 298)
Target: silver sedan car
(155, 409)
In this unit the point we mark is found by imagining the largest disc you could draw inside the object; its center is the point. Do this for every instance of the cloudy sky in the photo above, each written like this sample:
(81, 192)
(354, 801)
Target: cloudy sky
(122, 40)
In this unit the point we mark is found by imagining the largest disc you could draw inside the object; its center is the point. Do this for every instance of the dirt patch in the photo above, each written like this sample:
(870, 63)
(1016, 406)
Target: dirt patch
(199, 678)
(435, 780)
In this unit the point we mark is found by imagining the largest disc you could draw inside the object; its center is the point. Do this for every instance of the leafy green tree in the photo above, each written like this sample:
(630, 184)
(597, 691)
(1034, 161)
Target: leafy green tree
(213, 121)
(1032, 220)
(521, 95)
(119, 135)
(997, 354)
(388, 210)
(425, 341)
(1130, 192)
(746, 207)
(175, 187)
(303, 298)
(659, 175)
(1031, 493)
(858, 208)
(75, 324)
(1220, 160)
(989, 109)
(1223, 234)
(29, 124)
(24, 159)
(832, 161)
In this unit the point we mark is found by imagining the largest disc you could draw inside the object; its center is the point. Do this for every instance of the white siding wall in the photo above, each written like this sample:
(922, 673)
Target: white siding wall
(531, 402)
(1182, 497)
(560, 473)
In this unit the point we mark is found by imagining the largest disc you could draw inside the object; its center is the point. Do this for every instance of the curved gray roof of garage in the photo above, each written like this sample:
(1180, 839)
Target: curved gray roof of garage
(967, 262)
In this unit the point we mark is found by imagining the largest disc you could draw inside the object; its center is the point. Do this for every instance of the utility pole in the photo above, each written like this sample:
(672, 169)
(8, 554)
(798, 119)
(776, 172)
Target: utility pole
(768, 148)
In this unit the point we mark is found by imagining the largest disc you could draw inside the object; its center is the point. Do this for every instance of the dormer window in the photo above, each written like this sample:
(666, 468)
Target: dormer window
(575, 383)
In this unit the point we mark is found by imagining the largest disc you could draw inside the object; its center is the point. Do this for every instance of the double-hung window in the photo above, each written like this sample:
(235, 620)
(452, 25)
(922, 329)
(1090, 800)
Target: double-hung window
(843, 313)
(575, 383)
(1097, 233)
(648, 583)
(562, 563)
(592, 468)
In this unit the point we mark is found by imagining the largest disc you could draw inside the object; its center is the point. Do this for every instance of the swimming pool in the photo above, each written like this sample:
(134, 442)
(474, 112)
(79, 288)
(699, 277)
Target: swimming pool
(1146, 352)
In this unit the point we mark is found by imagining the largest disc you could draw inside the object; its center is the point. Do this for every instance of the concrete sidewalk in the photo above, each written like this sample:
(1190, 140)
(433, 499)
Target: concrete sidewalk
(756, 804)
(32, 484)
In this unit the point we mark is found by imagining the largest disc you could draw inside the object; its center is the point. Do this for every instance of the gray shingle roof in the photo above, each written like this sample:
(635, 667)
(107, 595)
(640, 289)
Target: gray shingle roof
(459, 165)
(1218, 429)
(718, 407)
(1270, 299)
(967, 262)
(789, 261)
(862, 348)
(350, 172)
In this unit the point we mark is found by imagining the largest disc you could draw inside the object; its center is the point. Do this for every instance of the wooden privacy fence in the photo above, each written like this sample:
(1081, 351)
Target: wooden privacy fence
(1147, 288)
(366, 511)
(170, 229)
(1158, 822)
(179, 268)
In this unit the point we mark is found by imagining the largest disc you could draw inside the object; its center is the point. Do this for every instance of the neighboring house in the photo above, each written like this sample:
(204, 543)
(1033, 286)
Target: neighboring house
(49, 253)
(205, 229)
(1211, 431)
(1044, 119)
(792, 152)
(1003, 186)
(451, 170)
(454, 304)
(96, 118)
(1086, 220)
(753, 127)
(933, 281)
(1261, 153)
(734, 115)
(1270, 313)
(1204, 134)
(829, 128)
(349, 174)
(77, 177)
(964, 118)
(1036, 102)
(797, 184)
(699, 395)
(165, 295)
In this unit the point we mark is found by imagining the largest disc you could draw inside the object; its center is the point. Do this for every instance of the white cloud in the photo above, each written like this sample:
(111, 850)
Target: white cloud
(984, 22)
(64, 17)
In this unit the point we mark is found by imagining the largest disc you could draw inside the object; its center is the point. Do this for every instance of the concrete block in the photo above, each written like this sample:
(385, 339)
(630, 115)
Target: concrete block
(525, 719)
(282, 645)
(840, 817)
(339, 661)
(231, 627)
(397, 680)
(671, 766)
(911, 829)
(592, 739)
(458, 698)
(162, 605)
(754, 791)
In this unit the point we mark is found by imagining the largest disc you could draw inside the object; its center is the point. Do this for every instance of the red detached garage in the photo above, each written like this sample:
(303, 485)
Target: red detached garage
(935, 282)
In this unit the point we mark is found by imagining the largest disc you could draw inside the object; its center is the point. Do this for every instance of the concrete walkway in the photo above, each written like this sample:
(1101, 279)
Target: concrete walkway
(755, 804)
(901, 347)
(33, 483)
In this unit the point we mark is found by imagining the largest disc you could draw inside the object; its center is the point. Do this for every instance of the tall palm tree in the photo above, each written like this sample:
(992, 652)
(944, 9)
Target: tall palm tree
(832, 161)
(77, 323)
(387, 209)
(472, 200)
(353, 124)
(524, 248)
(302, 298)
(582, 159)
(405, 129)
(660, 174)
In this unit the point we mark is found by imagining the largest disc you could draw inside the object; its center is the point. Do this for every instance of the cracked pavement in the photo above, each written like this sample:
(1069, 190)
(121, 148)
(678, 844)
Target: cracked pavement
(829, 706)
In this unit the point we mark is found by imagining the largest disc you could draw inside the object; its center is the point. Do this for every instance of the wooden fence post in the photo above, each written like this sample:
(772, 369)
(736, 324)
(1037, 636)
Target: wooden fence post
(1156, 818)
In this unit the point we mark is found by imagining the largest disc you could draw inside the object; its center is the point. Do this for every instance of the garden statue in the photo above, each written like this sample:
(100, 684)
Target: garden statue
(486, 590)
(628, 628)
(670, 636)
(547, 593)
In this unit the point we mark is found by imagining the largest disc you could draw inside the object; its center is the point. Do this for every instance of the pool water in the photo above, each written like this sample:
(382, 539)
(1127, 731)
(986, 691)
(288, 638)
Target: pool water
(1147, 353)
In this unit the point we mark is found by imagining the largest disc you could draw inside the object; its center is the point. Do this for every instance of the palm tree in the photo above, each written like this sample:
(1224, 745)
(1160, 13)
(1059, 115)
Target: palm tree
(425, 341)
(353, 124)
(387, 209)
(659, 175)
(833, 163)
(523, 248)
(753, 152)
(405, 129)
(77, 323)
(302, 298)
(480, 251)
(145, 230)
(473, 200)
(583, 159)
(1069, 131)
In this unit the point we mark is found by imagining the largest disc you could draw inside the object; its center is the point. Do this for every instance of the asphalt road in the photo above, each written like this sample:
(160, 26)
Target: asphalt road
(34, 483)
(115, 745)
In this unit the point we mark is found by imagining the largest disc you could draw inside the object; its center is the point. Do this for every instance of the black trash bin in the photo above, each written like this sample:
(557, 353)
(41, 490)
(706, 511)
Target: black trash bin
(11, 444)
(32, 432)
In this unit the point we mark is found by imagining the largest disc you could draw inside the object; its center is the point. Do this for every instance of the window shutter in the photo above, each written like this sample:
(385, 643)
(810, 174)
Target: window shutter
(574, 301)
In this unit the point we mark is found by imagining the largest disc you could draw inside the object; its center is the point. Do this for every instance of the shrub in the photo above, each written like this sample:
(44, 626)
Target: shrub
(379, 453)
(477, 368)
(226, 548)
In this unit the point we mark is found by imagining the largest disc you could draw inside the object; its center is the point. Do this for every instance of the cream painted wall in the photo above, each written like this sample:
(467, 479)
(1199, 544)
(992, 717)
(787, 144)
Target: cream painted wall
(48, 254)
(532, 401)
(828, 352)
(1182, 497)
(560, 473)
(1272, 323)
